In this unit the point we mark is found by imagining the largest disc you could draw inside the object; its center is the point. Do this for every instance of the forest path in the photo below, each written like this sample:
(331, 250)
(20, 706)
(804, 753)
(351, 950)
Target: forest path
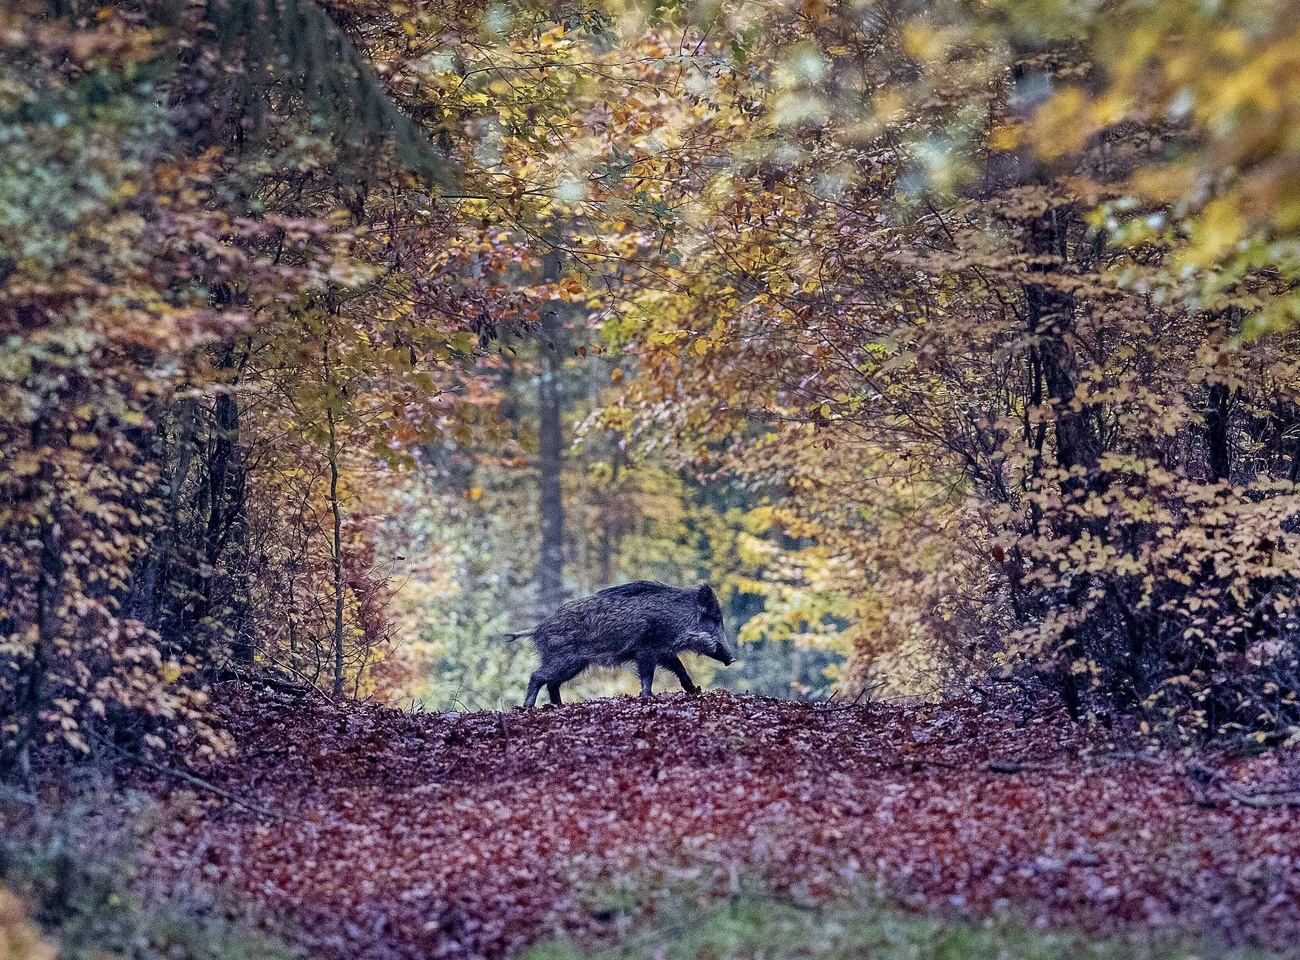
(408, 835)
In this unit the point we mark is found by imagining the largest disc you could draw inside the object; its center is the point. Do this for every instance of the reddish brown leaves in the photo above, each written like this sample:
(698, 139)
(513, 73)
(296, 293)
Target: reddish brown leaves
(467, 835)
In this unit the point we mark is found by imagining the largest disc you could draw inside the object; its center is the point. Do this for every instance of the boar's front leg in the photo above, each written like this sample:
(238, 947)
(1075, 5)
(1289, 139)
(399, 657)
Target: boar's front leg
(673, 663)
(553, 691)
(645, 668)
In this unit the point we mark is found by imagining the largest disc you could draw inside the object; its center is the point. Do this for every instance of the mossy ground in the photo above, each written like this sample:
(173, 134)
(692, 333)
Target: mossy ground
(757, 927)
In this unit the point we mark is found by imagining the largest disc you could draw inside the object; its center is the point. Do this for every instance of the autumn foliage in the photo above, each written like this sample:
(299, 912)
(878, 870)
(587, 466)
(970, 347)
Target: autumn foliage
(952, 344)
(207, 350)
(1014, 343)
(956, 342)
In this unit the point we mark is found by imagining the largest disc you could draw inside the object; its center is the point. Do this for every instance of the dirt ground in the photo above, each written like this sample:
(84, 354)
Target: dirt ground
(407, 835)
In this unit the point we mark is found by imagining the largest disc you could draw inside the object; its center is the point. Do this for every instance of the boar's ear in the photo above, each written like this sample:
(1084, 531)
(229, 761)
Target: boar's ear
(709, 601)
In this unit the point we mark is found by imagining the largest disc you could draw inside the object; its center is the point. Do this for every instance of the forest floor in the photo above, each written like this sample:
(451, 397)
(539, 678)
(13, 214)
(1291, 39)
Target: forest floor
(386, 834)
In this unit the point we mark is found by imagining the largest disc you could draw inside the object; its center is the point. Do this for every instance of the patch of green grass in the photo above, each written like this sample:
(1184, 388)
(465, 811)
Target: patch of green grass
(752, 926)
(77, 885)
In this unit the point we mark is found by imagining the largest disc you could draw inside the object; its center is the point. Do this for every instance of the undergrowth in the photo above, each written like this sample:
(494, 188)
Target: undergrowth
(749, 924)
(72, 874)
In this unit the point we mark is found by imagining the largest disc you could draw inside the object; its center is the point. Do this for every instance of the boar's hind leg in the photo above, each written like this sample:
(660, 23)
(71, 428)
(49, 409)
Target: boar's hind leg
(563, 675)
(534, 687)
(645, 668)
(679, 671)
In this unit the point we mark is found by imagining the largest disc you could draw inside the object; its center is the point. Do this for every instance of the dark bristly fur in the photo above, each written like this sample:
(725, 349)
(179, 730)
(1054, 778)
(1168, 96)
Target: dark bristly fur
(643, 622)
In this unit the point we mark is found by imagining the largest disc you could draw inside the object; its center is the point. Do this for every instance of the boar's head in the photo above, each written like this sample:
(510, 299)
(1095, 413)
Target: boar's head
(711, 638)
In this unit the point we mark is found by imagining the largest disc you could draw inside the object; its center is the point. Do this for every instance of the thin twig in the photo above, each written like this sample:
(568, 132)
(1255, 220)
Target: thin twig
(852, 703)
(1015, 766)
(1121, 756)
(19, 796)
(1267, 797)
(1262, 800)
(190, 779)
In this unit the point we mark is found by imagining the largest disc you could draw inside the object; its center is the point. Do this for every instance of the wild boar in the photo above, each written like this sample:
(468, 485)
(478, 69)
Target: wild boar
(643, 622)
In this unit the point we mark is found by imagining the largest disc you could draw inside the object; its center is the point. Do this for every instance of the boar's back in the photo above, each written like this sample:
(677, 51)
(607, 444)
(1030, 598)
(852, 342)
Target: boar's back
(637, 588)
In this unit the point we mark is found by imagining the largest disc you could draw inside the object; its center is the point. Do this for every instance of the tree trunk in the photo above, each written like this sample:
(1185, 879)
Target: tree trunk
(1050, 315)
(1216, 428)
(49, 591)
(550, 571)
(223, 492)
(336, 512)
(159, 562)
(610, 520)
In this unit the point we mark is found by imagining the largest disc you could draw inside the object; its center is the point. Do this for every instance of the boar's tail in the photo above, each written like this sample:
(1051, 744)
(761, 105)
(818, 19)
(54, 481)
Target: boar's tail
(510, 637)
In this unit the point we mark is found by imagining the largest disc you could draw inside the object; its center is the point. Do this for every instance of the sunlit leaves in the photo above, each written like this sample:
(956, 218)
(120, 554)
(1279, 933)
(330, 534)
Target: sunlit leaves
(1220, 80)
(881, 335)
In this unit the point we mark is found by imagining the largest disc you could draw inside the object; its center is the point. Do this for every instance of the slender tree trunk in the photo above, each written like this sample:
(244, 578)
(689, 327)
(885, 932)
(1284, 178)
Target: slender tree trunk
(550, 574)
(223, 492)
(606, 555)
(611, 520)
(1216, 428)
(337, 552)
(1050, 316)
(293, 622)
(49, 590)
(580, 550)
(159, 562)
(226, 514)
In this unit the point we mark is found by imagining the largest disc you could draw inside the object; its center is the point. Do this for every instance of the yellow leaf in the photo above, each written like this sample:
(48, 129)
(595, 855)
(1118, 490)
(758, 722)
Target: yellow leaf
(1062, 124)
(1004, 138)
(815, 10)
(1217, 232)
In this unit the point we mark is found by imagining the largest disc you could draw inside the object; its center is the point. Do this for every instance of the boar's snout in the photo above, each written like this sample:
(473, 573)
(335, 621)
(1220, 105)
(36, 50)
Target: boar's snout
(710, 645)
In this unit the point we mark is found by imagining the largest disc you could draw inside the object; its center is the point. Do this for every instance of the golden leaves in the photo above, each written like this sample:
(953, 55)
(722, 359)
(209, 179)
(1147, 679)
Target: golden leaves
(20, 938)
(1063, 125)
(1223, 85)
